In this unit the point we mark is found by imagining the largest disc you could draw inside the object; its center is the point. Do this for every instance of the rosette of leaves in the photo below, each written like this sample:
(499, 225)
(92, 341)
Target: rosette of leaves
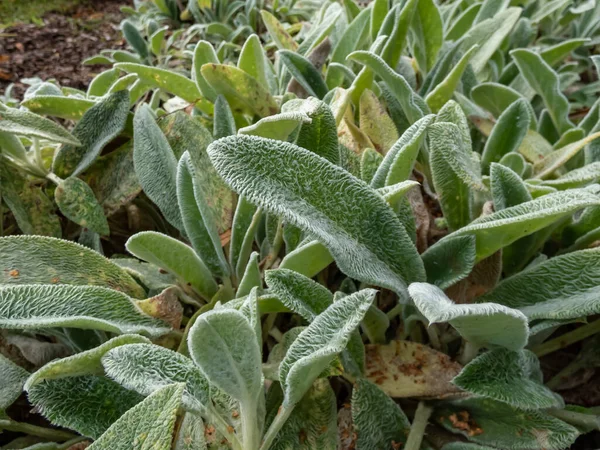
(443, 154)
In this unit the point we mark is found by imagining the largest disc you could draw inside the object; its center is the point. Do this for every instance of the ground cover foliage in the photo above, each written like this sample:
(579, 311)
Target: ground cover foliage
(307, 225)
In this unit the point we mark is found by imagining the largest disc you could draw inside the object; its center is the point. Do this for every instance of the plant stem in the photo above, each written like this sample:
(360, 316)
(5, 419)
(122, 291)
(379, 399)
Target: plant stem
(567, 339)
(220, 424)
(250, 435)
(564, 374)
(34, 430)
(56, 180)
(282, 415)
(469, 352)
(417, 430)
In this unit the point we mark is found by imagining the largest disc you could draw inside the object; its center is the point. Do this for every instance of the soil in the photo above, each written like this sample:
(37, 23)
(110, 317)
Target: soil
(56, 49)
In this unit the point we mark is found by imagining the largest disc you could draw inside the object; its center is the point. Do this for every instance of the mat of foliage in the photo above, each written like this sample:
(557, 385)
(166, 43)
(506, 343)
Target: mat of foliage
(309, 225)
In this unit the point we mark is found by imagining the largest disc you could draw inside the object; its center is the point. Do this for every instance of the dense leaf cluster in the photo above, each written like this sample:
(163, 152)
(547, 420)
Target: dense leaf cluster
(391, 207)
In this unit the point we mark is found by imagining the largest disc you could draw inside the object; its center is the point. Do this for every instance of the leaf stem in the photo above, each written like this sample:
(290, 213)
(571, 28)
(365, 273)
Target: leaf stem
(417, 430)
(282, 416)
(34, 430)
(586, 421)
(567, 339)
(250, 434)
(469, 352)
(52, 177)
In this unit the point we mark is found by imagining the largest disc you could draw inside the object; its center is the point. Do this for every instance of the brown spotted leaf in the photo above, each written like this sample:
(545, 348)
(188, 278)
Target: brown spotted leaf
(409, 369)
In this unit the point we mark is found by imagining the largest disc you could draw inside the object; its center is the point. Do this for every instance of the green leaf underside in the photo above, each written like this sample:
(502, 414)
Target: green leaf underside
(45, 260)
(322, 198)
(84, 363)
(47, 306)
(484, 324)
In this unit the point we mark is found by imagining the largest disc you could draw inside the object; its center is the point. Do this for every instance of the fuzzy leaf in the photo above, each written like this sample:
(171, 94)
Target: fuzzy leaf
(507, 188)
(78, 203)
(304, 72)
(242, 91)
(589, 173)
(498, 425)
(223, 344)
(280, 37)
(299, 293)
(399, 161)
(99, 125)
(313, 423)
(378, 420)
(24, 123)
(168, 80)
(156, 165)
(427, 34)
(278, 126)
(450, 261)
(320, 134)
(175, 257)
(316, 346)
(87, 404)
(146, 368)
(31, 207)
(88, 307)
(507, 134)
(150, 424)
(13, 379)
(509, 377)
(563, 287)
(44, 260)
(544, 80)
(334, 216)
(483, 324)
(501, 228)
(254, 62)
(561, 156)
(84, 363)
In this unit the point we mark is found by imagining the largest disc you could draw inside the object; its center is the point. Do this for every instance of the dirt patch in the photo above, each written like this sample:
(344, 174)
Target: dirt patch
(56, 49)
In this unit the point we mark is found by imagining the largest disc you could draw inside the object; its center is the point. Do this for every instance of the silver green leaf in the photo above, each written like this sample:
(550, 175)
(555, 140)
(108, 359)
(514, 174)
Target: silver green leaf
(37, 306)
(87, 404)
(483, 324)
(148, 425)
(509, 377)
(312, 200)
(156, 165)
(84, 363)
(25, 123)
(99, 125)
(175, 257)
(378, 420)
(13, 378)
(563, 287)
(317, 345)
(45, 260)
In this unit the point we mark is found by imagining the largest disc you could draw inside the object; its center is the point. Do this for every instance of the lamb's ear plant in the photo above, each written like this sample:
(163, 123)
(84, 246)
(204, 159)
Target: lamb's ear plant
(348, 227)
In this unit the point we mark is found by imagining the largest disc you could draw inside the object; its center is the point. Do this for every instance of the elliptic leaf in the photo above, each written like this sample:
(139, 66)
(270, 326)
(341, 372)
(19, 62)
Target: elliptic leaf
(148, 425)
(77, 202)
(450, 261)
(99, 125)
(84, 363)
(13, 379)
(175, 257)
(304, 72)
(25, 123)
(70, 108)
(87, 307)
(483, 324)
(509, 377)
(312, 199)
(44, 260)
(316, 346)
(155, 165)
(87, 404)
(378, 421)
